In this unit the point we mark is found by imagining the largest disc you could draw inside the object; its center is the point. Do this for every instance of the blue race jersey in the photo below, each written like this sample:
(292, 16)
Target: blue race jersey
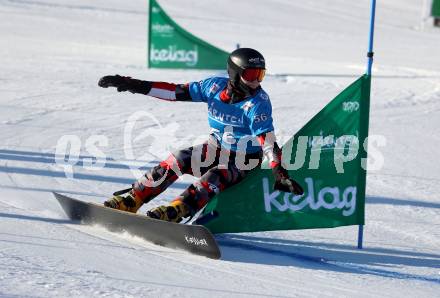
(234, 125)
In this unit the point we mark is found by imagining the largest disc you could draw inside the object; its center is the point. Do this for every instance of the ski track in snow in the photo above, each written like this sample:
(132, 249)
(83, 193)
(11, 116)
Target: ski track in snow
(53, 53)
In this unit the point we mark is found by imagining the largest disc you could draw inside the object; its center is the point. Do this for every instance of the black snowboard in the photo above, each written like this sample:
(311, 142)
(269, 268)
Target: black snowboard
(195, 239)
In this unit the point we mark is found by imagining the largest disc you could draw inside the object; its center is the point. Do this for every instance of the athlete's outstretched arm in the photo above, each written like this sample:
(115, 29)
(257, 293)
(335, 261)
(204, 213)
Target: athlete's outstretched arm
(162, 90)
(273, 153)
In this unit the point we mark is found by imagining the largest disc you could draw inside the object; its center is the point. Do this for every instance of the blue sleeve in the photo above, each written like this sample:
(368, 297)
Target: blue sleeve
(261, 118)
(198, 90)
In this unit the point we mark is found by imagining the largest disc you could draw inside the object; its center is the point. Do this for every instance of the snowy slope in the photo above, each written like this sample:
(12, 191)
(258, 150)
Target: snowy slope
(54, 51)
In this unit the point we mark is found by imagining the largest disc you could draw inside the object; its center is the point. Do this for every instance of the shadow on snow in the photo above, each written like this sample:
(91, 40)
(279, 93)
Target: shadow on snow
(49, 158)
(401, 202)
(326, 256)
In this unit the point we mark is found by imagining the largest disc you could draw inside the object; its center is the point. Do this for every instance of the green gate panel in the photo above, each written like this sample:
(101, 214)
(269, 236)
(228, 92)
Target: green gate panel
(170, 46)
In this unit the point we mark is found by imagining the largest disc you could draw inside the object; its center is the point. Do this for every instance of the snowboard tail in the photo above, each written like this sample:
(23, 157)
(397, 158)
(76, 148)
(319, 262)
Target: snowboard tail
(195, 239)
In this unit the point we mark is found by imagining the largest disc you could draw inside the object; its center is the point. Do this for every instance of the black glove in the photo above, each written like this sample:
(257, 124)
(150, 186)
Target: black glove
(125, 84)
(284, 183)
(121, 83)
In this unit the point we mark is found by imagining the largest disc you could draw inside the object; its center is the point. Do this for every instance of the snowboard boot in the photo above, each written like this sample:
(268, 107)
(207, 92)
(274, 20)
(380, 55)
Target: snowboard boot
(129, 203)
(174, 212)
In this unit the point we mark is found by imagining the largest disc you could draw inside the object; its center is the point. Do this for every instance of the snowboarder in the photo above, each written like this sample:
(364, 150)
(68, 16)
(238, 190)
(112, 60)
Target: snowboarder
(240, 116)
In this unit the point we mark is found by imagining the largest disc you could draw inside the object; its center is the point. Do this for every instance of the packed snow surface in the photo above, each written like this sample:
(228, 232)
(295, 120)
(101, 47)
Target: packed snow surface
(52, 54)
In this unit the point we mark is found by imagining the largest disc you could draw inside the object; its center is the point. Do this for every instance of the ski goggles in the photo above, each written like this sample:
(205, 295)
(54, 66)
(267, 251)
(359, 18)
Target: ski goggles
(252, 74)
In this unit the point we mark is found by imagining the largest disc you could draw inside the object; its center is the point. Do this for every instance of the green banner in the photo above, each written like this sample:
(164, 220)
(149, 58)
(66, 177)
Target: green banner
(436, 8)
(325, 157)
(170, 46)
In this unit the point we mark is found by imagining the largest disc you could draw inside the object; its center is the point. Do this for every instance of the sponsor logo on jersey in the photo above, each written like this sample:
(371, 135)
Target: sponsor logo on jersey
(214, 88)
(247, 105)
(264, 96)
(222, 116)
